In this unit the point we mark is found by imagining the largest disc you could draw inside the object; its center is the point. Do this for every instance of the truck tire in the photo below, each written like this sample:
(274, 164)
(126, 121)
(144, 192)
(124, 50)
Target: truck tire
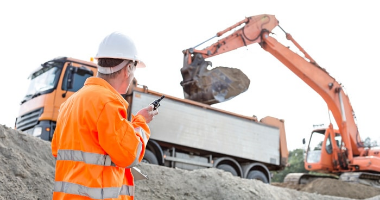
(149, 158)
(227, 168)
(254, 174)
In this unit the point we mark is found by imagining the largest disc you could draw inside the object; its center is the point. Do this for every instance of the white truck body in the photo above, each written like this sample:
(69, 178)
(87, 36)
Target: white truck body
(208, 129)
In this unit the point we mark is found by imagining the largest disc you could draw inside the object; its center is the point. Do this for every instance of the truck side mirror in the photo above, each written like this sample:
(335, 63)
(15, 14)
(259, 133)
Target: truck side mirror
(69, 81)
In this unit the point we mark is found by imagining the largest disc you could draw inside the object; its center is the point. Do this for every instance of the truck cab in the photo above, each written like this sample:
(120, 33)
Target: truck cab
(50, 85)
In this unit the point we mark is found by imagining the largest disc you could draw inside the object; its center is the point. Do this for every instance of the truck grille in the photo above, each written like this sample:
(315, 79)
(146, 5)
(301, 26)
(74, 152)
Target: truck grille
(28, 120)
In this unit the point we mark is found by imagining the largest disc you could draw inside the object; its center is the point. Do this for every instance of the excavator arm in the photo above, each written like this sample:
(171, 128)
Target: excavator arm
(257, 29)
(249, 33)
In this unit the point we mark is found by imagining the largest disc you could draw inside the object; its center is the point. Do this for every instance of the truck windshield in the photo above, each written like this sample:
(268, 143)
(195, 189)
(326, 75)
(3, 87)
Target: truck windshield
(44, 80)
(315, 147)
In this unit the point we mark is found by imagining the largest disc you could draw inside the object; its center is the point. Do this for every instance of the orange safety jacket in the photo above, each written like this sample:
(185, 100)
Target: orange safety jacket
(95, 145)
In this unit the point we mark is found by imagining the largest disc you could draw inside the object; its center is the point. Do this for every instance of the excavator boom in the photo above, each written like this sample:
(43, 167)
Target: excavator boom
(325, 85)
(249, 33)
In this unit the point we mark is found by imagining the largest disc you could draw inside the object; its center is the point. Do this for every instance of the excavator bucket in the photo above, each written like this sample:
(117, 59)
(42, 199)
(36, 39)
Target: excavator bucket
(212, 86)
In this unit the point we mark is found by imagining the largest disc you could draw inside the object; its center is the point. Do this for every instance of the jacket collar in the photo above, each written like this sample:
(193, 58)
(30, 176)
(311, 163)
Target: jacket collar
(104, 83)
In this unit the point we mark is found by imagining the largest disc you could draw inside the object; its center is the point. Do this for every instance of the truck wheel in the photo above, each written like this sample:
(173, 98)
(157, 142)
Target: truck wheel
(227, 168)
(254, 174)
(149, 158)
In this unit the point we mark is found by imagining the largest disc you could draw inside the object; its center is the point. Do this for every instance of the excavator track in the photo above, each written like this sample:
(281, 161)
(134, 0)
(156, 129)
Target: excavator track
(366, 178)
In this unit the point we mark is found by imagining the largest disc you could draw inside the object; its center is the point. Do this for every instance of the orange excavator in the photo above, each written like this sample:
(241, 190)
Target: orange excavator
(338, 152)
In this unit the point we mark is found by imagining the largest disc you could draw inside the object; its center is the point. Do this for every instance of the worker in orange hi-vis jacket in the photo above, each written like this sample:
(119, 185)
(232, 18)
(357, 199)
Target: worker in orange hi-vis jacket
(94, 144)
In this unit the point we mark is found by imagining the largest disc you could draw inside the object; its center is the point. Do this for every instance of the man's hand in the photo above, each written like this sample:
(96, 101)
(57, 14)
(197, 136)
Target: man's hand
(148, 113)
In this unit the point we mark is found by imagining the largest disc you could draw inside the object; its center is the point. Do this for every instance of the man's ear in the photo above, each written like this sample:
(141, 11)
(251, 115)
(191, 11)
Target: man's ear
(125, 71)
(130, 68)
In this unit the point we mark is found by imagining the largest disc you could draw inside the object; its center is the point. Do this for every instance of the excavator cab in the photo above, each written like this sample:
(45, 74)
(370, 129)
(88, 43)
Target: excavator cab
(319, 154)
(319, 157)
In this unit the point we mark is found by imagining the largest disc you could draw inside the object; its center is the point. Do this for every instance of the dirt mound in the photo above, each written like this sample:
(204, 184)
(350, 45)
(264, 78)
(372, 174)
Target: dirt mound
(27, 173)
(211, 184)
(333, 187)
(27, 166)
(338, 188)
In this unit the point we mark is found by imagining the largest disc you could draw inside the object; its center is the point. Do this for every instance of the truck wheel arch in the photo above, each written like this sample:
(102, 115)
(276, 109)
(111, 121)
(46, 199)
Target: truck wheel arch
(150, 157)
(256, 167)
(229, 161)
(156, 149)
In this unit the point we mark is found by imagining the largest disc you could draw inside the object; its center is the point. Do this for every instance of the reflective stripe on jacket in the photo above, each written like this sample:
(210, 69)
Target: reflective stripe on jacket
(95, 145)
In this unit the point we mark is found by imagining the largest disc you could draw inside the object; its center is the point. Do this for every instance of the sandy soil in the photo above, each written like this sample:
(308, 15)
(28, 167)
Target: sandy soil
(333, 187)
(27, 172)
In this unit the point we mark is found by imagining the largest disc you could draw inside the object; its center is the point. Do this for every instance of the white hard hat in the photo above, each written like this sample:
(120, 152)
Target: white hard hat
(120, 46)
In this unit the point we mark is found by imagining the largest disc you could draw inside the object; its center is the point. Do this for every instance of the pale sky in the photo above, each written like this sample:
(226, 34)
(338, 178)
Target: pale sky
(342, 36)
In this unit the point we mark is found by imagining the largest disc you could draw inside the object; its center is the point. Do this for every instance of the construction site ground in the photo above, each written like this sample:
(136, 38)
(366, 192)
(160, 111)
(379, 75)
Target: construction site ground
(27, 172)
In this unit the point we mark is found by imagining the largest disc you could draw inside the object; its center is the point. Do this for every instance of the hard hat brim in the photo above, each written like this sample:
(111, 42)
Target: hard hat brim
(140, 64)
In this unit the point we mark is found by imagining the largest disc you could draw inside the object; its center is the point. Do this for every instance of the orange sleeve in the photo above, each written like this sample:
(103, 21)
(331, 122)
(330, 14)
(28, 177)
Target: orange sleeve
(117, 135)
(54, 148)
(55, 139)
(139, 121)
